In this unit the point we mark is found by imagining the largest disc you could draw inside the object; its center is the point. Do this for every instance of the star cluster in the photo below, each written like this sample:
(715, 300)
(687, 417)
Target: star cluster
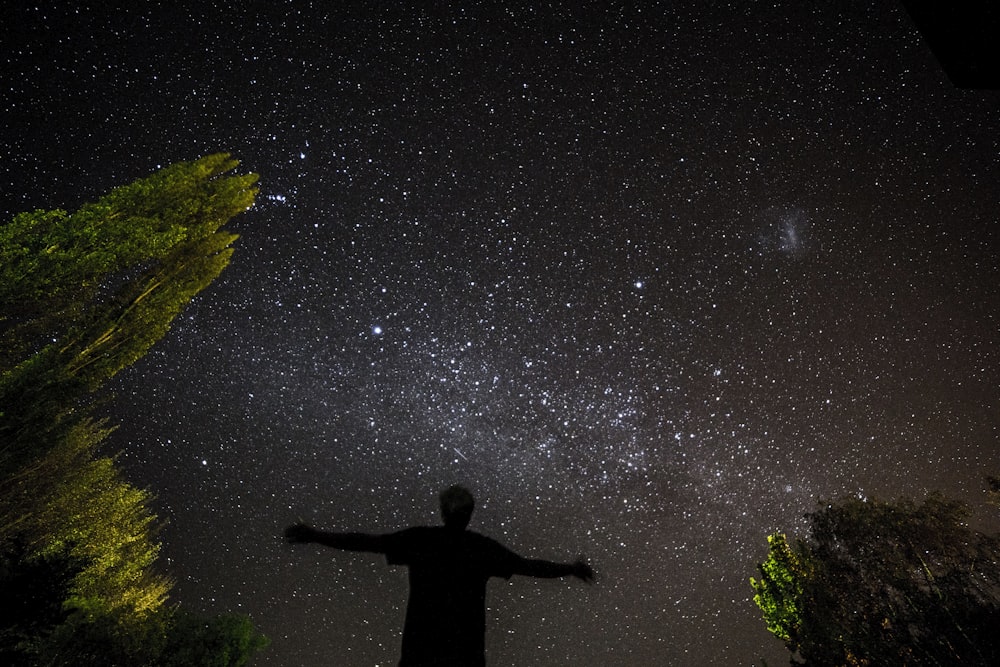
(651, 280)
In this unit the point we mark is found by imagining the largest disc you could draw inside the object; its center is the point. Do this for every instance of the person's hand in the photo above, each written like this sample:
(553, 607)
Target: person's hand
(299, 532)
(581, 570)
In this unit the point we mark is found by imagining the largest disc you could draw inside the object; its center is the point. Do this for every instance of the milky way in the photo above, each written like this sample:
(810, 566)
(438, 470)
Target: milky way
(650, 281)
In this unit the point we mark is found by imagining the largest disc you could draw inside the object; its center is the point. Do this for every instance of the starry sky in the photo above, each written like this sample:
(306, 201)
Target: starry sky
(650, 278)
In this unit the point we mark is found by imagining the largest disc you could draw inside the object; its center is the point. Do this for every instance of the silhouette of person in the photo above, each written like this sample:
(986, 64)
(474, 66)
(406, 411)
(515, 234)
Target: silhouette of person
(448, 570)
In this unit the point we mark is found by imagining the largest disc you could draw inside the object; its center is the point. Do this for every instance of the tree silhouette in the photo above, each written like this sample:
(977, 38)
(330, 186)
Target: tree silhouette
(885, 584)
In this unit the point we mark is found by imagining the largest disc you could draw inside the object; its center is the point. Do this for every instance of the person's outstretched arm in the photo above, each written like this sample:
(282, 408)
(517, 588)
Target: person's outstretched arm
(548, 570)
(300, 532)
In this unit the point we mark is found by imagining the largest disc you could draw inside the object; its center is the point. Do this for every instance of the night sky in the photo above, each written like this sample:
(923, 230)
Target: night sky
(649, 280)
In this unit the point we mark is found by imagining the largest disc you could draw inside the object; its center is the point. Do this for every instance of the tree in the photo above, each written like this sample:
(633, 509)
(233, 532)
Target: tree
(778, 593)
(33, 590)
(82, 296)
(169, 638)
(223, 641)
(993, 490)
(885, 584)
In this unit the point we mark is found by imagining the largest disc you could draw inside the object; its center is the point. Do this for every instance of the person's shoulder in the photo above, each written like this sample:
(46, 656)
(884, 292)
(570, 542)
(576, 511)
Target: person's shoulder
(485, 541)
(414, 532)
(408, 540)
(496, 558)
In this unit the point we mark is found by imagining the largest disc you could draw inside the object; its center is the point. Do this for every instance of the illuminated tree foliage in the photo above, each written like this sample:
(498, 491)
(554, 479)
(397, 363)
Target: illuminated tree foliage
(885, 584)
(779, 590)
(82, 296)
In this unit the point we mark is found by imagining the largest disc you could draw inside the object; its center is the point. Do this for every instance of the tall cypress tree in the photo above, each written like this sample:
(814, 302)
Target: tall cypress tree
(82, 296)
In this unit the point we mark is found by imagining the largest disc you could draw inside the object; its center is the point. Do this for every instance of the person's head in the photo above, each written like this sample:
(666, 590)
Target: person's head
(456, 506)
